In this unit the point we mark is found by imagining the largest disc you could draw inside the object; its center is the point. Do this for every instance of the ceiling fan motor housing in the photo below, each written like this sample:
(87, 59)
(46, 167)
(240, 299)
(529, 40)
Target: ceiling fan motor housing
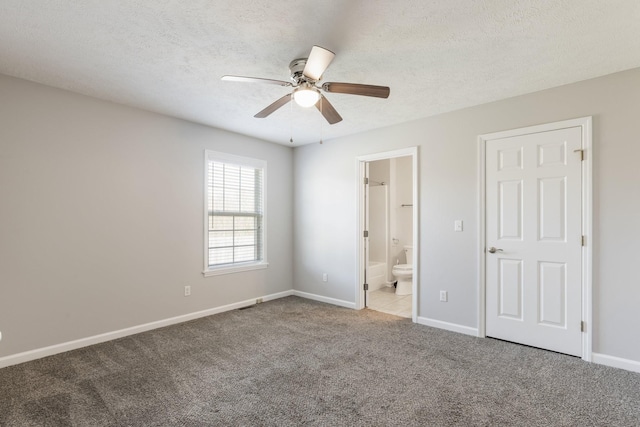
(296, 67)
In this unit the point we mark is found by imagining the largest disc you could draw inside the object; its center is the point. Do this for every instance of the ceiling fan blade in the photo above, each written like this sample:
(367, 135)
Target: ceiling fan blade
(324, 106)
(357, 89)
(318, 61)
(255, 80)
(273, 107)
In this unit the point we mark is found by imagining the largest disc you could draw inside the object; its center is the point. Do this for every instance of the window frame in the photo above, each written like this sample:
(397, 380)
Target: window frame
(211, 155)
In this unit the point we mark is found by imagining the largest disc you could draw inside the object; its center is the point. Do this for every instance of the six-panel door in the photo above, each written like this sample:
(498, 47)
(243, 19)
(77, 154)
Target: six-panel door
(533, 220)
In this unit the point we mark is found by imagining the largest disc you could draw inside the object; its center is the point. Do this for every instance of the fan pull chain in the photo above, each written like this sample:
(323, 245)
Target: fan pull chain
(291, 121)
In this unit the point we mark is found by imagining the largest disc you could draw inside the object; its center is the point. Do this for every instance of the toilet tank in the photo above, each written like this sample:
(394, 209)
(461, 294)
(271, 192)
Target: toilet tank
(408, 250)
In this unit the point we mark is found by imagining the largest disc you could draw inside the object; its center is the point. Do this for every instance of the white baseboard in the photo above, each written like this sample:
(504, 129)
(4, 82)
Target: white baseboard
(453, 327)
(602, 359)
(616, 362)
(278, 295)
(328, 300)
(39, 353)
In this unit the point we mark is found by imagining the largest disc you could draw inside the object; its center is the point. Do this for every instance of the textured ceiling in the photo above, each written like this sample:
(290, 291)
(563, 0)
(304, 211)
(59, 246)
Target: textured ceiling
(439, 55)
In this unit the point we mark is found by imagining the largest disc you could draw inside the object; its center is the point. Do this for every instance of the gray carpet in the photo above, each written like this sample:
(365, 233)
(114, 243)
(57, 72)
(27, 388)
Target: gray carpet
(295, 362)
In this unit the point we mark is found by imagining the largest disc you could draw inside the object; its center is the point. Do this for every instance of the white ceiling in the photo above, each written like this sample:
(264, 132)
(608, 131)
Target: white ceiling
(439, 55)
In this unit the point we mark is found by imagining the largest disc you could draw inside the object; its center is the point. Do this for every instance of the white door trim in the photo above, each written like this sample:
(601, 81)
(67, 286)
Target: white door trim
(360, 164)
(587, 227)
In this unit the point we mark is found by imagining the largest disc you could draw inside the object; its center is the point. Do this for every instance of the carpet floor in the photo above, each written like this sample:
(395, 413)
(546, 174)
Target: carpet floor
(295, 362)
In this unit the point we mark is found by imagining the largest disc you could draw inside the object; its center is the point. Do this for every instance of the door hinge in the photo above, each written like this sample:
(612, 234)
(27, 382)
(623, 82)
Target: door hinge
(583, 326)
(366, 181)
(581, 151)
(366, 287)
(583, 241)
(365, 233)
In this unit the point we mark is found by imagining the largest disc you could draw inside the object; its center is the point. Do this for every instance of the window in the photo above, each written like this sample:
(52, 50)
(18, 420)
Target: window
(235, 217)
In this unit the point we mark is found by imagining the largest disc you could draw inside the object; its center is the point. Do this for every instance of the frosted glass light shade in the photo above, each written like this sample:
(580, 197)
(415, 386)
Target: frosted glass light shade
(306, 97)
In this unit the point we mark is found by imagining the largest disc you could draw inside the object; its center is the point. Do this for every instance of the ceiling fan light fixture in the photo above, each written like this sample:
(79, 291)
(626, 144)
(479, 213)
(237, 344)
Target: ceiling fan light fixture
(306, 96)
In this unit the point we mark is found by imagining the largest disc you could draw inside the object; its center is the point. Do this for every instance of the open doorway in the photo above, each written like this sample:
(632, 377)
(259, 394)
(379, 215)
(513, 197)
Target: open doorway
(388, 233)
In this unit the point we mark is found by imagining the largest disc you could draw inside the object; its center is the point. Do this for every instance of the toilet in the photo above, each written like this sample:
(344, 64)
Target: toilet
(404, 273)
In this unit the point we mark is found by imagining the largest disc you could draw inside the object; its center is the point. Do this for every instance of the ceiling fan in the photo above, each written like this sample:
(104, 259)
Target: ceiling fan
(305, 76)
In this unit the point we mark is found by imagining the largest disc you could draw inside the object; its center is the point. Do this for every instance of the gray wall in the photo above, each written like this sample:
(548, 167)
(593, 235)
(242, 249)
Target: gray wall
(101, 217)
(325, 230)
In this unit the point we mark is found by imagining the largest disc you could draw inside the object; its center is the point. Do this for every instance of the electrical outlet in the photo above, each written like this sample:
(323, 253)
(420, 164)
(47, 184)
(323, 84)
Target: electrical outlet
(187, 291)
(325, 277)
(444, 297)
(457, 225)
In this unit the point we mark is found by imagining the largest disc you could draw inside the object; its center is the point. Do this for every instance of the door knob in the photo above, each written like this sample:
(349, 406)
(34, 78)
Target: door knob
(493, 250)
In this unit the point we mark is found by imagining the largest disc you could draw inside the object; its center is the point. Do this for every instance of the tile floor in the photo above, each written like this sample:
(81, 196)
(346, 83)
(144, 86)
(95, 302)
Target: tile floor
(386, 300)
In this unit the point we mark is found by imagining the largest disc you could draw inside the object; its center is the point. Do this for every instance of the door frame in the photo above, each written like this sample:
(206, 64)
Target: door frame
(585, 123)
(360, 211)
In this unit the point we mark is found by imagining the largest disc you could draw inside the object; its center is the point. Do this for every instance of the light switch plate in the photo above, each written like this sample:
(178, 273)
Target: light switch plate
(457, 225)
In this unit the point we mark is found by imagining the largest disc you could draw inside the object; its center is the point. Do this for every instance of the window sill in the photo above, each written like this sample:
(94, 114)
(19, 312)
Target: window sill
(235, 269)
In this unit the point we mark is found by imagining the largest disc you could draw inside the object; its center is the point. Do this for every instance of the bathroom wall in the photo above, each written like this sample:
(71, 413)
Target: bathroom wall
(401, 171)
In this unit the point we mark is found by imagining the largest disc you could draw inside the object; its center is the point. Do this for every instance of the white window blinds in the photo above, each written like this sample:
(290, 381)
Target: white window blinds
(235, 212)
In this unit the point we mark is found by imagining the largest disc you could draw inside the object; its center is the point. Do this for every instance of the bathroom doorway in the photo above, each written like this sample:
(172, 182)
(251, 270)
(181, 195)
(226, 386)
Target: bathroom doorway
(387, 238)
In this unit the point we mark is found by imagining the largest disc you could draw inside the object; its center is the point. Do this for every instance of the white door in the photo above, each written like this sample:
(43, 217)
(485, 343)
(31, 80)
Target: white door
(534, 239)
